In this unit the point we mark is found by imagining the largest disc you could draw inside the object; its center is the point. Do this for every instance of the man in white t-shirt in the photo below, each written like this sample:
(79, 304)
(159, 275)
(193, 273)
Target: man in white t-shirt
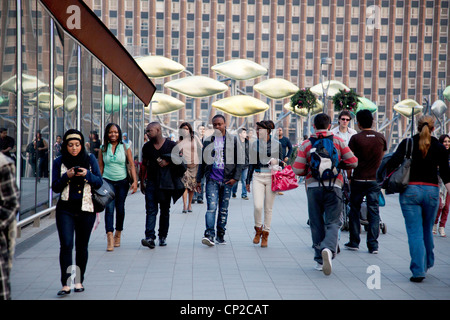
(343, 131)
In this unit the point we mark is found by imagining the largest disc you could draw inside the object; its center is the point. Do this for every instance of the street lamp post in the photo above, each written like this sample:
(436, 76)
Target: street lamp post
(325, 61)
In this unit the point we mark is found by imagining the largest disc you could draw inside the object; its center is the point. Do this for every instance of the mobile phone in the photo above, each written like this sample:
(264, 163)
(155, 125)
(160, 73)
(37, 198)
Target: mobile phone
(76, 169)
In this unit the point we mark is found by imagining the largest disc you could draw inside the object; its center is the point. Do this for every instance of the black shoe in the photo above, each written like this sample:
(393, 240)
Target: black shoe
(193, 200)
(416, 279)
(148, 243)
(208, 240)
(199, 201)
(350, 246)
(234, 195)
(79, 289)
(373, 251)
(162, 242)
(63, 292)
(220, 239)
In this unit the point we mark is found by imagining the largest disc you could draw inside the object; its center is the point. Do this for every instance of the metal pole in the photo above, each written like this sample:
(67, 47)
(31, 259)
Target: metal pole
(19, 92)
(52, 103)
(121, 107)
(79, 87)
(102, 125)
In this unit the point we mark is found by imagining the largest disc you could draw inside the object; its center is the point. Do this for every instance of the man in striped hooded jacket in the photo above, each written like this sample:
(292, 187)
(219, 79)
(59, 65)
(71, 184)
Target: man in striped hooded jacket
(324, 204)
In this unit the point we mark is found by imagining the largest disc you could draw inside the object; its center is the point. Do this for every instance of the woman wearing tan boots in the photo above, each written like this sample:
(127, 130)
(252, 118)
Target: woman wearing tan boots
(112, 160)
(264, 153)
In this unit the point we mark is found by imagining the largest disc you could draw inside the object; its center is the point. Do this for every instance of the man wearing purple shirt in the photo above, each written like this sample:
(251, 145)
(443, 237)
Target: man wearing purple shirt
(222, 170)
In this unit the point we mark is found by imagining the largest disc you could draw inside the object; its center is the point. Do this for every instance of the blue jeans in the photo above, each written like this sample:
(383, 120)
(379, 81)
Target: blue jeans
(359, 190)
(153, 197)
(73, 225)
(120, 188)
(419, 205)
(325, 219)
(243, 182)
(217, 196)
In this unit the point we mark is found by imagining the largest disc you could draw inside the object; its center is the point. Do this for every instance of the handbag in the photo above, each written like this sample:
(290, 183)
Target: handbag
(102, 196)
(129, 168)
(398, 180)
(284, 180)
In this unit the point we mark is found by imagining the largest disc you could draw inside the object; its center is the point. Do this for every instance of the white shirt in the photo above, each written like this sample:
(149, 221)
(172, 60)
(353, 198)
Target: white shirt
(344, 135)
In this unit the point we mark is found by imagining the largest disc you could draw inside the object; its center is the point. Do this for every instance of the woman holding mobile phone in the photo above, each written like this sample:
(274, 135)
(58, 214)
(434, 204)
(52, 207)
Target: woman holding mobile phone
(75, 174)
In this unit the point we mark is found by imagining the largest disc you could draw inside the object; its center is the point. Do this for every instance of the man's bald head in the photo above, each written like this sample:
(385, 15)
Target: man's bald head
(154, 130)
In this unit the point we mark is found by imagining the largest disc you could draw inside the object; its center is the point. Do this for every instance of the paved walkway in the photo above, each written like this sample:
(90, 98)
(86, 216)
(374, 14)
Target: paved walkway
(187, 270)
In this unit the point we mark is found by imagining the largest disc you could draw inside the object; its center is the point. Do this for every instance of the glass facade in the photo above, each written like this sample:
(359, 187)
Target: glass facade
(50, 84)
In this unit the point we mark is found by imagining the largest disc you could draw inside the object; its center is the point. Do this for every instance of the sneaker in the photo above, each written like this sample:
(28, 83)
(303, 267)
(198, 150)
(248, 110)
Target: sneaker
(280, 193)
(200, 201)
(234, 195)
(373, 251)
(327, 265)
(416, 279)
(441, 231)
(162, 242)
(148, 243)
(349, 246)
(318, 267)
(220, 240)
(208, 241)
(245, 198)
(435, 229)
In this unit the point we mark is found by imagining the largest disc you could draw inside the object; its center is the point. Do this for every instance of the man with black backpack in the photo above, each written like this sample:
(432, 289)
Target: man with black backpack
(321, 159)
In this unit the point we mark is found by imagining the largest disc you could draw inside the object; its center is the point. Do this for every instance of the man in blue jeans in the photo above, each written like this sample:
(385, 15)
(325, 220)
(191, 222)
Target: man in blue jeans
(221, 168)
(369, 147)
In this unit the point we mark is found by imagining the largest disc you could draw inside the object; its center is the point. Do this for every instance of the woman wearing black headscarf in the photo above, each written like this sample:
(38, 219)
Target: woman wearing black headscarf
(75, 173)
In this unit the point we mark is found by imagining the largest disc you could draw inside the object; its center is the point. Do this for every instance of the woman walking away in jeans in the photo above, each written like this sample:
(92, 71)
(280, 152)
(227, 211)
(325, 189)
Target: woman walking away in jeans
(444, 196)
(75, 174)
(420, 201)
(112, 159)
(266, 152)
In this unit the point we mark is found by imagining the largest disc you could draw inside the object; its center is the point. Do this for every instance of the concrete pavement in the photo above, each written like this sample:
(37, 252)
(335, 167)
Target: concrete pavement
(187, 270)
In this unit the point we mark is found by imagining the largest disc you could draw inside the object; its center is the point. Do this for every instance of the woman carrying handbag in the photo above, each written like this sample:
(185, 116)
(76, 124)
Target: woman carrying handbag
(113, 158)
(263, 154)
(420, 201)
(75, 175)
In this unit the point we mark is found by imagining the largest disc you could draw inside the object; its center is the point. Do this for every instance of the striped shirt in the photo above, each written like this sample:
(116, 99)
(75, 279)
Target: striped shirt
(301, 164)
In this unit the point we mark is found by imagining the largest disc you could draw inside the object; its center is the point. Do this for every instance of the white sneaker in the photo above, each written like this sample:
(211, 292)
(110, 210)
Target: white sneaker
(318, 267)
(441, 231)
(327, 265)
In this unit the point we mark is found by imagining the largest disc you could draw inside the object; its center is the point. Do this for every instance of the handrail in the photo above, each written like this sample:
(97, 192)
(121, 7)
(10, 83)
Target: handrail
(35, 218)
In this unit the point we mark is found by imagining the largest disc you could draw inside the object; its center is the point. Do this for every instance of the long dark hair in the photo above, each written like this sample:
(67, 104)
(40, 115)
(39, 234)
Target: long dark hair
(191, 132)
(106, 136)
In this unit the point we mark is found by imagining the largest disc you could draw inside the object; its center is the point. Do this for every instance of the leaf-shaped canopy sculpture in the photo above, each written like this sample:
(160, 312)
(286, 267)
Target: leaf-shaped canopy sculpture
(163, 103)
(112, 102)
(159, 66)
(241, 105)
(333, 87)
(405, 107)
(304, 111)
(29, 84)
(240, 69)
(276, 88)
(366, 104)
(438, 107)
(446, 93)
(70, 103)
(197, 86)
(59, 83)
(43, 100)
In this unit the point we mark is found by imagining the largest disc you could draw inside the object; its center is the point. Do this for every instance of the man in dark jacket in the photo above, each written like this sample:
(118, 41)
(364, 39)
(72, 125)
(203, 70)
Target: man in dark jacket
(160, 182)
(222, 170)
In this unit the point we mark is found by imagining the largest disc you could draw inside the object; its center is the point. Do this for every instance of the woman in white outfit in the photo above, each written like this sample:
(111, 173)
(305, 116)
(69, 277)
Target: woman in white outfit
(264, 152)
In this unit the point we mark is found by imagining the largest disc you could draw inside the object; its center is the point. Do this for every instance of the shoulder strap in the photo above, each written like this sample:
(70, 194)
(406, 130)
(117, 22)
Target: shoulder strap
(408, 153)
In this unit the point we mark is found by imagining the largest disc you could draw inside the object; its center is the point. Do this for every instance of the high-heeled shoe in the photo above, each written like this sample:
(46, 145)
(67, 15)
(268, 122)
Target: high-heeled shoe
(63, 292)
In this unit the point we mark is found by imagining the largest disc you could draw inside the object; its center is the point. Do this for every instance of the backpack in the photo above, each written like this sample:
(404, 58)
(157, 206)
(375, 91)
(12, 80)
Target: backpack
(324, 160)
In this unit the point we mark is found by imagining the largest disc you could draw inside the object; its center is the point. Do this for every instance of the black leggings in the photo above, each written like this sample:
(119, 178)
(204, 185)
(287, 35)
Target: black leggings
(70, 224)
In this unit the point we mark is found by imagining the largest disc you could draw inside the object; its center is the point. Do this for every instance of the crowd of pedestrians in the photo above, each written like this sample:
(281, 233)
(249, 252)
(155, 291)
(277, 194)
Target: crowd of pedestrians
(209, 166)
